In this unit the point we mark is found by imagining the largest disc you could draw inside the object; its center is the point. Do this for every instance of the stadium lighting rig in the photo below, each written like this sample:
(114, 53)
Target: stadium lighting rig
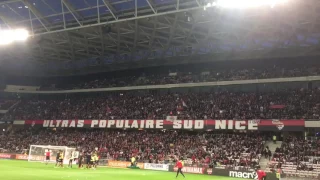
(11, 36)
(241, 4)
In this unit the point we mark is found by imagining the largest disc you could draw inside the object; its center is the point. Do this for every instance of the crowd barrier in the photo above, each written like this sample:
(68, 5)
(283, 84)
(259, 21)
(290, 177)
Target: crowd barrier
(228, 172)
(7, 156)
(245, 174)
(122, 164)
(156, 167)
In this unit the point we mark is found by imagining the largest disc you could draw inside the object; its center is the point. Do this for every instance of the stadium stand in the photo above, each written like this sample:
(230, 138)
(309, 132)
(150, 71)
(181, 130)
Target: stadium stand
(226, 150)
(228, 92)
(292, 104)
(297, 157)
(186, 76)
(236, 149)
(192, 73)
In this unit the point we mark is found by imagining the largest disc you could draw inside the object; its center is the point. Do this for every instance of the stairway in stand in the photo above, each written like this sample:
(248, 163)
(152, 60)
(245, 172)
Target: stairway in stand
(264, 161)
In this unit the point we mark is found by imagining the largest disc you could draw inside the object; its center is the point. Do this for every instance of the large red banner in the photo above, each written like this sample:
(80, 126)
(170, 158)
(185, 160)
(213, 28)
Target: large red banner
(256, 124)
(193, 170)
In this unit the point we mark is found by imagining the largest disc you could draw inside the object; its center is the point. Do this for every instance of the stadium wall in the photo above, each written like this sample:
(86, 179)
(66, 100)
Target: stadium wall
(21, 88)
(170, 86)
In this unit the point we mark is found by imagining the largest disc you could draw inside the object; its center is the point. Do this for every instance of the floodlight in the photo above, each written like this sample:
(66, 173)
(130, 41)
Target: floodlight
(6, 37)
(9, 36)
(21, 35)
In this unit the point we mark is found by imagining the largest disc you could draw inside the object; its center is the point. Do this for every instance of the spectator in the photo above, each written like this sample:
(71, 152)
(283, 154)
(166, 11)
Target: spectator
(236, 149)
(286, 104)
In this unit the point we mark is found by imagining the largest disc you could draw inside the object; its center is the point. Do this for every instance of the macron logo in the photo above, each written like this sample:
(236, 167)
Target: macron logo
(246, 175)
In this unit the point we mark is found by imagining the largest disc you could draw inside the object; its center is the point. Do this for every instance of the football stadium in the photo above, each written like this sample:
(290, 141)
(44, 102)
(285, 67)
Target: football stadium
(159, 89)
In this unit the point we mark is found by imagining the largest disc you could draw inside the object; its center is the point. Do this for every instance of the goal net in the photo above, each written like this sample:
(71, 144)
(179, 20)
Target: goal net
(37, 153)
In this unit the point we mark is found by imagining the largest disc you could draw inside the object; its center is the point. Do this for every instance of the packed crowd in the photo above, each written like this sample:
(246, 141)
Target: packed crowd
(190, 77)
(286, 104)
(148, 146)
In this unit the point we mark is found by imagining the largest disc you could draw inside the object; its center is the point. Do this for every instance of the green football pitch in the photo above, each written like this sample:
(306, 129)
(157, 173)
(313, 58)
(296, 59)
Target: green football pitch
(22, 170)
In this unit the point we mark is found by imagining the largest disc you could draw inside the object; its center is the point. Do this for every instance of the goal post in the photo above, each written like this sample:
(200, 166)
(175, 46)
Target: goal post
(37, 153)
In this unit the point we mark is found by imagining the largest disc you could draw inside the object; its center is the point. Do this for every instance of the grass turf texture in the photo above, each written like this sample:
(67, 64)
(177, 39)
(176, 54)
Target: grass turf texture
(22, 170)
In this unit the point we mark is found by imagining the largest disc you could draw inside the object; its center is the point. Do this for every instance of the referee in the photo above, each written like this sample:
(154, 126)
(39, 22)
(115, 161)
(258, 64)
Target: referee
(180, 166)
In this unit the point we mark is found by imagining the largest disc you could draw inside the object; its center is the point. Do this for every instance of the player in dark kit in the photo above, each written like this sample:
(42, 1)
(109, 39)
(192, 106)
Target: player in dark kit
(88, 162)
(81, 159)
(180, 166)
(57, 159)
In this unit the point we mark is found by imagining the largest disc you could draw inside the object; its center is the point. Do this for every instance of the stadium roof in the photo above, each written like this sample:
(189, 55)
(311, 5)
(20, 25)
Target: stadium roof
(83, 36)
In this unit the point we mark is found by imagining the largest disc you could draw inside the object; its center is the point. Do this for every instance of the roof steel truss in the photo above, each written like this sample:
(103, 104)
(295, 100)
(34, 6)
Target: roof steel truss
(157, 31)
